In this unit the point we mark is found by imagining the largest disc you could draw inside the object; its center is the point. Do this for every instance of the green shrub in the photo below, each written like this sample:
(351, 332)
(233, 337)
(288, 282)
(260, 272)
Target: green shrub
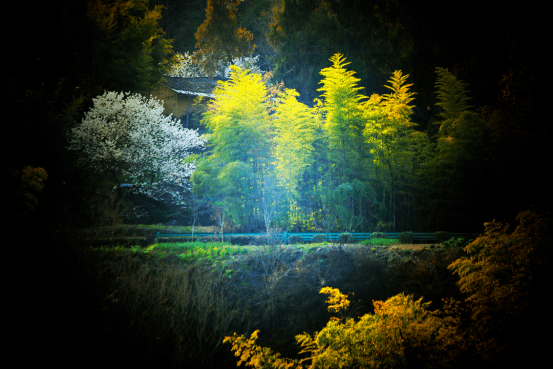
(319, 238)
(345, 237)
(442, 236)
(406, 237)
(378, 235)
(456, 242)
(294, 239)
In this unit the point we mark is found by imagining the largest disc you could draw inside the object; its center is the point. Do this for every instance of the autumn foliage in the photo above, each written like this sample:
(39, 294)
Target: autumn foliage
(498, 276)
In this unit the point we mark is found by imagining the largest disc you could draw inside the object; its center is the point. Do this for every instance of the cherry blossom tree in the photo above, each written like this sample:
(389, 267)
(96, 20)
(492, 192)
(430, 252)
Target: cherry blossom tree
(129, 134)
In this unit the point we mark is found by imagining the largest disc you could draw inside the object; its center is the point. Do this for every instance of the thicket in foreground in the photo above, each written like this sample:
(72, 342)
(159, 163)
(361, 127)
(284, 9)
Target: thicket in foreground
(501, 276)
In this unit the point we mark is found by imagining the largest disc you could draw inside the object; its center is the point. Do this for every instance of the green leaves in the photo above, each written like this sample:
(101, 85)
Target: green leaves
(451, 94)
(343, 119)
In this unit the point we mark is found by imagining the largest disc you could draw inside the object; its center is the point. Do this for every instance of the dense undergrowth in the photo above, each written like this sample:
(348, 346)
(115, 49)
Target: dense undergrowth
(180, 300)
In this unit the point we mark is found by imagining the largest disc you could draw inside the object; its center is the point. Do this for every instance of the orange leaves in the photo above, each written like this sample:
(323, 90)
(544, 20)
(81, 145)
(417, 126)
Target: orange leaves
(220, 37)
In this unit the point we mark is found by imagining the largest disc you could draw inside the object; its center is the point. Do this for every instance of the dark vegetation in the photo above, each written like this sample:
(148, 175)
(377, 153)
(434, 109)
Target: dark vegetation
(191, 304)
(172, 304)
(79, 301)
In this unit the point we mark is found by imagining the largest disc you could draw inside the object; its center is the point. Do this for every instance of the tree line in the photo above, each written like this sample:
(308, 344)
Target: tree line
(349, 163)
(340, 173)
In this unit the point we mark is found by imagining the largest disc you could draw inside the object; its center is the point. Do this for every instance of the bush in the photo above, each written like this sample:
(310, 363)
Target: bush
(338, 344)
(345, 237)
(442, 236)
(318, 238)
(406, 237)
(294, 239)
(505, 274)
(378, 235)
(456, 242)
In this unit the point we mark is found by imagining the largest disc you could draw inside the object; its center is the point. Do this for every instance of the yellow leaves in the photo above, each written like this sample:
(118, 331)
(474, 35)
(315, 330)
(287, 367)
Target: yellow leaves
(256, 356)
(295, 128)
(337, 300)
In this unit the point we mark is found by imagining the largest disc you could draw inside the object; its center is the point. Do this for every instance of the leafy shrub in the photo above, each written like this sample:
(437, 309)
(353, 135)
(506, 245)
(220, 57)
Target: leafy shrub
(345, 237)
(294, 239)
(338, 344)
(378, 235)
(442, 236)
(406, 237)
(456, 242)
(318, 238)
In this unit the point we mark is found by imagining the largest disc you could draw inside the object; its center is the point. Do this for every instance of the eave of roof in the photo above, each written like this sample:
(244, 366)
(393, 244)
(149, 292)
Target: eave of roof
(193, 93)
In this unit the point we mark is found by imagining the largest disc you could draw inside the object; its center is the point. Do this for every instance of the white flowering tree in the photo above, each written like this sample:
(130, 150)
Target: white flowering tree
(130, 133)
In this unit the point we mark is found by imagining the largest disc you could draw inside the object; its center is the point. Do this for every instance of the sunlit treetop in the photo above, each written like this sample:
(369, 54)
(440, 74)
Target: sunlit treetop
(397, 102)
(339, 84)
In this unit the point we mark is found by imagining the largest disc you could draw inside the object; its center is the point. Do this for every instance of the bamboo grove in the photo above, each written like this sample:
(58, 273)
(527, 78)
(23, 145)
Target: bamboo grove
(349, 163)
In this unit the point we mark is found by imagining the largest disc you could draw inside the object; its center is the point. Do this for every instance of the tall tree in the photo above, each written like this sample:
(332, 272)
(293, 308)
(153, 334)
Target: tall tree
(458, 154)
(343, 119)
(295, 131)
(220, 37)
(131, 139)
(238, 119)
(342, 112)
(390, 132)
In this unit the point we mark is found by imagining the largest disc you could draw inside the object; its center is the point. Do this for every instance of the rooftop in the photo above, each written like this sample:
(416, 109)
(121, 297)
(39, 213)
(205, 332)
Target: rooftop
(196, 86)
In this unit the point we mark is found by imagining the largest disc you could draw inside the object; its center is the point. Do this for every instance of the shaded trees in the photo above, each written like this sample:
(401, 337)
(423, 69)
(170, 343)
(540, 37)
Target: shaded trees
(220, 37)
(458, 154)
(130, 52)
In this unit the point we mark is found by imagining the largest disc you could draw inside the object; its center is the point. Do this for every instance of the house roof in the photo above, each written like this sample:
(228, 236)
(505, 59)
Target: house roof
(196, 86)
